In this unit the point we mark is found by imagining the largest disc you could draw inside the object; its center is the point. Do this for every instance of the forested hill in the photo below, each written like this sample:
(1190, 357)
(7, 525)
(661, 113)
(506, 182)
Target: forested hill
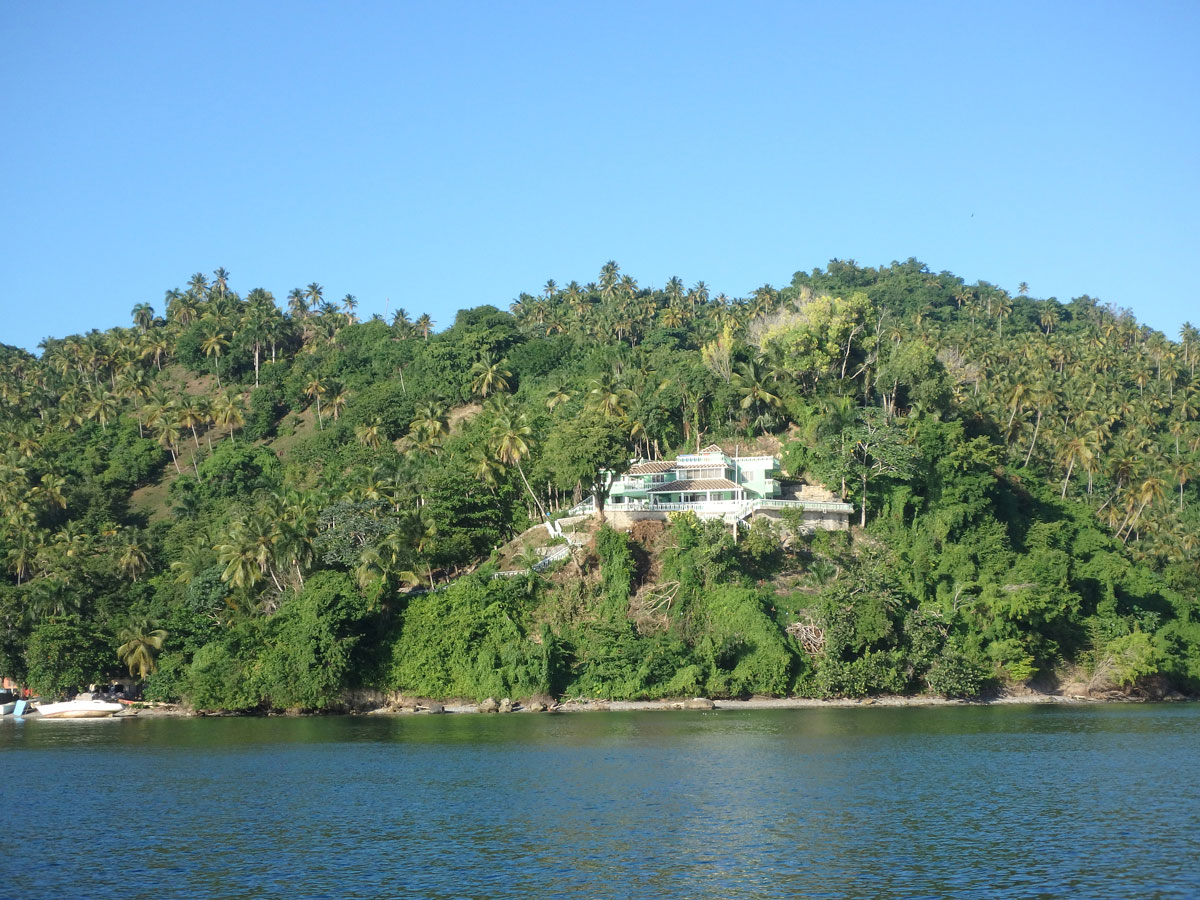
(248, 503)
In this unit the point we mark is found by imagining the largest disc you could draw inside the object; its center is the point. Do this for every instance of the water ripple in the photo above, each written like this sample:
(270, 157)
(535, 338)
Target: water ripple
(843, 803)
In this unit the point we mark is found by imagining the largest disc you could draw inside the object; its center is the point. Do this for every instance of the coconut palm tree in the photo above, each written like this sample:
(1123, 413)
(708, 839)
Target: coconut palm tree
(132, 558)
(1184, 471)
(213, 345)
(609, 396)
(143, 316)
(752, 384)
(401, 324)
(314, 391)
(314, 295)
(227, 411)
(103, 406)
(490, 376)
(141, 644)
(558, 395)
(338, 400)
(369, 435)
(510, 440)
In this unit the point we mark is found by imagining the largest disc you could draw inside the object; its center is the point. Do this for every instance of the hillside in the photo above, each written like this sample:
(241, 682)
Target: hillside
(261, 506)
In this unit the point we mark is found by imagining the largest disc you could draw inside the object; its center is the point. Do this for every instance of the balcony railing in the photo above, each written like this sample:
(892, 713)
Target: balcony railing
(715, 507)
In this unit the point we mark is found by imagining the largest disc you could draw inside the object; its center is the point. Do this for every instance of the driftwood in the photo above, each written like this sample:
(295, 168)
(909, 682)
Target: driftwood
(810, 635)
(650, 603)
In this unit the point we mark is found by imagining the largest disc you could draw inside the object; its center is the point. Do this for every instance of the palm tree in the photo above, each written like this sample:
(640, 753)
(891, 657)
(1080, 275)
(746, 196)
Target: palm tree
(181, 307)
(141, 644)
(609, 396)
(1003, 310)
(510, 438)
(132, 558)
(198, 286)
(220, 284)
(313, 390)
(103, 406)
(297, 304)
(243, 555)
(558, 395)
(490, 376)
(401, 323)
(157, 346)
(143, 316)
(350, 304)
(256, 323)
(1185, 471)
(1075, 450)
(314, 295)
(50, 491)
(191, 416)
(429, 421)
(214, 345)
(423, 325)
(227, 411)
(484, 466)
(1150, 490)
(1049, 318)
(751, 384)
(369, 435)
(609, 274)
(338, 401)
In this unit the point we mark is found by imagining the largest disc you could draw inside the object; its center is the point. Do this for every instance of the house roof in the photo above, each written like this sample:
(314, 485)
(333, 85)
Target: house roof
(712, 448)
(698, 484)
(651, 468)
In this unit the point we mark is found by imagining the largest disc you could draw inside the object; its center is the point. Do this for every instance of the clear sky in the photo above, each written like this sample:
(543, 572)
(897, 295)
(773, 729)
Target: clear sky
(442, 155)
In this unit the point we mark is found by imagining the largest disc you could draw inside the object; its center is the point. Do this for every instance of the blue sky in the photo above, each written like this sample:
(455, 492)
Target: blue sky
(437, 156)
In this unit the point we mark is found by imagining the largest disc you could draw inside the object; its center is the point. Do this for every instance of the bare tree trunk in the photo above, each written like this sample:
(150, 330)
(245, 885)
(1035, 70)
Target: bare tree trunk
(1068, 478)
(1036, 426)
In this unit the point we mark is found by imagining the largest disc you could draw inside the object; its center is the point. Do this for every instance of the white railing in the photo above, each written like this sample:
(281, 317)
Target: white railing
(813, 505)
(553, 556)
(701, 459)
(628, 484)
(715, 507)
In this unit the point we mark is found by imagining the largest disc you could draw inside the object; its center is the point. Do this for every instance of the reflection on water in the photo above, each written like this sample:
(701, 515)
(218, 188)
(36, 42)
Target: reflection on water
(839, 803)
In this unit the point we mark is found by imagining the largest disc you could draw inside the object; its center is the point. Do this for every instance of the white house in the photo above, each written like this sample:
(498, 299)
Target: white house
(713, 484)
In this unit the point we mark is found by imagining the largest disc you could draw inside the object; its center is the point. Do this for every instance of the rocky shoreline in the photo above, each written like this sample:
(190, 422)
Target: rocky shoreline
(402, 706)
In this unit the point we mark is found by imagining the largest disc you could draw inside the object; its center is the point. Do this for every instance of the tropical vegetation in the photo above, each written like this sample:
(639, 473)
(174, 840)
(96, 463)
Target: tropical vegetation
(252, 504)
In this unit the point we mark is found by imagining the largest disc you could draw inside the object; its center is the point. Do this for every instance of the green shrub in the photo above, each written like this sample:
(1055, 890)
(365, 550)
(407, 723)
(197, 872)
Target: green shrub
(66, 656)
(469, 641)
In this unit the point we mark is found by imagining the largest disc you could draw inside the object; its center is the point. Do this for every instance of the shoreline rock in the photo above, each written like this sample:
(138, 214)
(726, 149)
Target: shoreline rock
(1071, 694)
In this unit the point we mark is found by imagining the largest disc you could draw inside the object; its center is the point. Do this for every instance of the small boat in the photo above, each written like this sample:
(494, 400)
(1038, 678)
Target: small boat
(6, 709)
(79, 709)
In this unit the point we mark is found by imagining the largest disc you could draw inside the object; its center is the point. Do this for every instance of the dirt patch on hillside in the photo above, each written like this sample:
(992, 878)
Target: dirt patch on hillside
(462, 414)
(151, 499)
(302, 425)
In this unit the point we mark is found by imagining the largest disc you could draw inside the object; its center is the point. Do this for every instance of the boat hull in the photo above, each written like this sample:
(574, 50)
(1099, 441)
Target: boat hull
(79, 709)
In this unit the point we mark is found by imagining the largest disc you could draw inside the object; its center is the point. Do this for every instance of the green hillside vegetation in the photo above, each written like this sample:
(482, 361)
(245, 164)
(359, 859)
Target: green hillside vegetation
(266, 507)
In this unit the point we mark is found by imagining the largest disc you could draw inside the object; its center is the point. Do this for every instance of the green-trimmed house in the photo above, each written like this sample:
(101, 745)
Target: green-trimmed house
(713, 484)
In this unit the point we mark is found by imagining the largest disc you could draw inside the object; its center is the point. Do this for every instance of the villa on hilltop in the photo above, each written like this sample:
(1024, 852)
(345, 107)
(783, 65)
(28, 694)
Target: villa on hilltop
(712, 484)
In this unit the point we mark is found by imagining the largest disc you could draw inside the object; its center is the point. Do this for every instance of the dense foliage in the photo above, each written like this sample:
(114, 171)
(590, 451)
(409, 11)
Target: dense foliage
(264, 506)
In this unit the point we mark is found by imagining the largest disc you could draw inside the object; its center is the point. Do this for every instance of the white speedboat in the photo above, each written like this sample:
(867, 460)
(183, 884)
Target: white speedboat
(79, 709)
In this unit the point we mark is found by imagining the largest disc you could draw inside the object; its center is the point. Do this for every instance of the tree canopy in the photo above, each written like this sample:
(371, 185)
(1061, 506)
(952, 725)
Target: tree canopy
(254, 504)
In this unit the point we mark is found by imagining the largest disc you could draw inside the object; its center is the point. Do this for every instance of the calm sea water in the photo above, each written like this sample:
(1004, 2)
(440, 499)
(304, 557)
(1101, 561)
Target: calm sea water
(998, 802)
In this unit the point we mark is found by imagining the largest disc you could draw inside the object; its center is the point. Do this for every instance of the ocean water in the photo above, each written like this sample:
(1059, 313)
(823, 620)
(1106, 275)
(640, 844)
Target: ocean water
(996, 802)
